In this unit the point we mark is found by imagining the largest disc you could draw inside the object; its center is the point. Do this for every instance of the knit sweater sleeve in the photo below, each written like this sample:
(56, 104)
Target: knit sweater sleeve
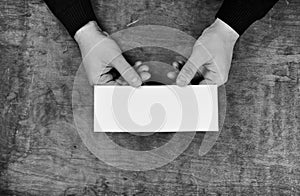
(73, 14)
(240, 14)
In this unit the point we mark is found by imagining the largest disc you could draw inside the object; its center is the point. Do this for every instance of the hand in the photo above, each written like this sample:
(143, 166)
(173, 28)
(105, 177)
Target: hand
(211, 56)
(101, 54)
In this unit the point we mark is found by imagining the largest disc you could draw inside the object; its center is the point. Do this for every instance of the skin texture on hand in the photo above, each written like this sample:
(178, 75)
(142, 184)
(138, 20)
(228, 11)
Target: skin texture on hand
(211, 56)
(100, 54)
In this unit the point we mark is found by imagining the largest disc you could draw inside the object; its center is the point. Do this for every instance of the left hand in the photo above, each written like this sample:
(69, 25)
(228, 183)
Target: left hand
(103, 60)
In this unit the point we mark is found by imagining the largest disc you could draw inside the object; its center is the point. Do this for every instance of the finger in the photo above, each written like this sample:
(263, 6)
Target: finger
(186, 74)
(178, 64)
(104, 79)
(127, 72)
(113, 83)
(196, 79)
(137, 64)
(114, 72)
(175, 65)
(198, 58)
(145, 76)
(121, 81)
(106, 70)
(207, 82)
(172, 75)
(143, 68)
(210, 78)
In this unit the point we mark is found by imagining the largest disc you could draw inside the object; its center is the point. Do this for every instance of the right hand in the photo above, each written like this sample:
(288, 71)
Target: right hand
(211, 56)
(100, 54)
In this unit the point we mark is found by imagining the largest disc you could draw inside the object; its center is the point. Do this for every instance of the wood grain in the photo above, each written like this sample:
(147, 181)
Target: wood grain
(257, 153)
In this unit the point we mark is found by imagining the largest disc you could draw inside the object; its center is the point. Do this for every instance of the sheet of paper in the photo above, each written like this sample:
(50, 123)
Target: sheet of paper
(166, 108)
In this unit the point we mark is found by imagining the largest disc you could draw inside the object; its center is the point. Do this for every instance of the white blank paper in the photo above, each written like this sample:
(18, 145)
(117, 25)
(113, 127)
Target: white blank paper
(166, 108)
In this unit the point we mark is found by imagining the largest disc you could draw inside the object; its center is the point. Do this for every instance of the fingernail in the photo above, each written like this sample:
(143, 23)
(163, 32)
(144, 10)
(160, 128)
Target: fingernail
(171, 75)
(175, 65)
(181, 82)
(136, 82)
(138, 63)
(145, 76)
(145, 68)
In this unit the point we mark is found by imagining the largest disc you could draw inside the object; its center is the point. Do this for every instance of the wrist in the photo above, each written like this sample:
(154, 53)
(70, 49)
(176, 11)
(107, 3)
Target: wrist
(88, 32)
(224, 30)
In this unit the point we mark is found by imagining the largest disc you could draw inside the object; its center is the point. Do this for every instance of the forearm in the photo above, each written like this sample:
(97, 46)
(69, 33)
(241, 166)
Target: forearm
(240, 14)
(73, 14)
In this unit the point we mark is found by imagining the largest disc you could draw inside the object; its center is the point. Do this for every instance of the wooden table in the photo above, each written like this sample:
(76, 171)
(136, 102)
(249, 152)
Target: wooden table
(257, 153)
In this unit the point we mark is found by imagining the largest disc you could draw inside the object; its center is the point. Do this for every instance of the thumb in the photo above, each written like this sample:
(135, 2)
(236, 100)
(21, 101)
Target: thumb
(186, 74)
(127, 71)
(198, 59)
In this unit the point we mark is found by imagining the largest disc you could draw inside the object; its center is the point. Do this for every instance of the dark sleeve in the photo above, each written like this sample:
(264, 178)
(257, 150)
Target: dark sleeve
(73, 14)
(240, 14)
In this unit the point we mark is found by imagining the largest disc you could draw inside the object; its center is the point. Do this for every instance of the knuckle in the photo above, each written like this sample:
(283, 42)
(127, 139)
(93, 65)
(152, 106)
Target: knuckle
(126, 70)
